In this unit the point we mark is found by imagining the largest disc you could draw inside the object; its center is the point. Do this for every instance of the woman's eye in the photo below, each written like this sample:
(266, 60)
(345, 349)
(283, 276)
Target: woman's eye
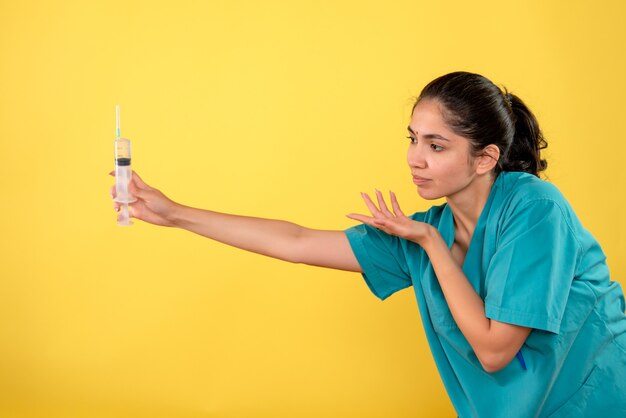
(436, 147)
(413, 140)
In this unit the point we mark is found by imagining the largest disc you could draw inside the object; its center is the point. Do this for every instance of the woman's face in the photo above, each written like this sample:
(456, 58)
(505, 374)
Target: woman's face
(440, 160)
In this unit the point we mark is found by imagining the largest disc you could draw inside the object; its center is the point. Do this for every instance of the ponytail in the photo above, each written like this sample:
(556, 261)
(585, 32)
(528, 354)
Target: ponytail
(528, 141)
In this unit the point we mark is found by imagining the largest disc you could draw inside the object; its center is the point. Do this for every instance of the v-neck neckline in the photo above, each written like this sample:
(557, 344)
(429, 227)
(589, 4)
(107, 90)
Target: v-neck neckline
(448, 232)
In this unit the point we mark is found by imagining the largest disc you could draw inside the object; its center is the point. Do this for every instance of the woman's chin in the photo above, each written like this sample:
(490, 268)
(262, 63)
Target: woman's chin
(427, 194)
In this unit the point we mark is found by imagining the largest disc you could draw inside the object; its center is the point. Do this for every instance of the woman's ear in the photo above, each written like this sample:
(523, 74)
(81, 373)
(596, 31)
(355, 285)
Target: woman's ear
(487, 159)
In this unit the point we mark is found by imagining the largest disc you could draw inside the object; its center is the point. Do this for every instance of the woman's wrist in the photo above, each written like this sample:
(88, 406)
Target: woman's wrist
(178, 215)
(429, 239)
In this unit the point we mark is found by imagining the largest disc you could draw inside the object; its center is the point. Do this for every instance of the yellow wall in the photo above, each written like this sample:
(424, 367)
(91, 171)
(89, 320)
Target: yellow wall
(283, 109)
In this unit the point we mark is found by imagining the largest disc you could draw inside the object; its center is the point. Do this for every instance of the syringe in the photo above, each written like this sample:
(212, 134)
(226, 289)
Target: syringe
(123, 173)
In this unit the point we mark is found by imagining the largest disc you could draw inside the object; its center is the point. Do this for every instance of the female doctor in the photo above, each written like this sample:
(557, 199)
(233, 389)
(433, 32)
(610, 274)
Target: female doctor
(515, 296)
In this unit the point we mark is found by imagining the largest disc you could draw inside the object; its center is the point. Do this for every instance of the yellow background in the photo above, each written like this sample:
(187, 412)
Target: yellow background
(282, 109)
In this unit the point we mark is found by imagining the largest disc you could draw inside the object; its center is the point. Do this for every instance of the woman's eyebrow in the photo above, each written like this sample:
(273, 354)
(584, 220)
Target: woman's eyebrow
(428, 136)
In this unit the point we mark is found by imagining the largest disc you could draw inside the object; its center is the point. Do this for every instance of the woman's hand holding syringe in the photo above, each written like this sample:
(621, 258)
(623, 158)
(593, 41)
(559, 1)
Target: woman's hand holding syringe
(151, 205)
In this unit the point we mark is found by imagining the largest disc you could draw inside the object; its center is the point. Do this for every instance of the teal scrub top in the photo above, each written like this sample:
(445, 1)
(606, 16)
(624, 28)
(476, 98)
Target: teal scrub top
(534, 265)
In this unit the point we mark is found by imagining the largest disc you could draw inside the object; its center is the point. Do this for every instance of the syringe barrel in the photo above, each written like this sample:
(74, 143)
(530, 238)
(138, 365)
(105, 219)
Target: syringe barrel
(123, 171)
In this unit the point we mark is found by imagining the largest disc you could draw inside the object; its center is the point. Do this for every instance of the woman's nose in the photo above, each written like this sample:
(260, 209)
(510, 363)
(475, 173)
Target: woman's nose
(415, 157)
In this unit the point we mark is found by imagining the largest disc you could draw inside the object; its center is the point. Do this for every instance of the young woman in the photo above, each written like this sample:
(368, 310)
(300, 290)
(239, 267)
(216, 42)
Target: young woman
(515, 296)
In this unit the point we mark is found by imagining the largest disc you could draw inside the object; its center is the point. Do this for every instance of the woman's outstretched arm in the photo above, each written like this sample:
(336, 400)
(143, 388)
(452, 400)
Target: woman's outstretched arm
(274, 238)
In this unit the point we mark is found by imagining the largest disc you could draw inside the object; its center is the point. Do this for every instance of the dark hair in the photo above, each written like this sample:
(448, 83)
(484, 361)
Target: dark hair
(477, 109)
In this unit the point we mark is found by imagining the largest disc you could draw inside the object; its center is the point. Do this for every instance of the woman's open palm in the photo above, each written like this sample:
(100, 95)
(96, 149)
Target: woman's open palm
(394, 223)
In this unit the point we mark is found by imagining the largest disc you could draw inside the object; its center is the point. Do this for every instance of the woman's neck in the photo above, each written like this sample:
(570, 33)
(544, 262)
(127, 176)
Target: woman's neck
(467, 205)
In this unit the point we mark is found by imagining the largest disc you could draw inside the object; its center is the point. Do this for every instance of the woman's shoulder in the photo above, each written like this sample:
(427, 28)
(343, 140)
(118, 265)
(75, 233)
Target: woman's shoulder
(523, 189)
(525, 196)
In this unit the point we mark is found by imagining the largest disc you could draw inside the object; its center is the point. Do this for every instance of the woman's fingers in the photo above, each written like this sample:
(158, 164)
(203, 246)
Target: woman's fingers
(113, 193)
(140, 183)
(384, 211)
(395, 223)
(371, 206)
(360, 218)
(395, 205)
(380, 216)
(136, 186)
(379, 223)
(150, 206)
(382, 204)
(368, 220)
(136, 179)
(134, 190)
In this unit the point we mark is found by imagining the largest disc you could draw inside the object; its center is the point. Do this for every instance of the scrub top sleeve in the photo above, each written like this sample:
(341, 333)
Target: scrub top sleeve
(529, 277)
(382, 259)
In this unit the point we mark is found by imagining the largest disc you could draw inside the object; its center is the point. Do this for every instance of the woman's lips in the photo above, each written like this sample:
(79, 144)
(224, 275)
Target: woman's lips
(420, 180)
